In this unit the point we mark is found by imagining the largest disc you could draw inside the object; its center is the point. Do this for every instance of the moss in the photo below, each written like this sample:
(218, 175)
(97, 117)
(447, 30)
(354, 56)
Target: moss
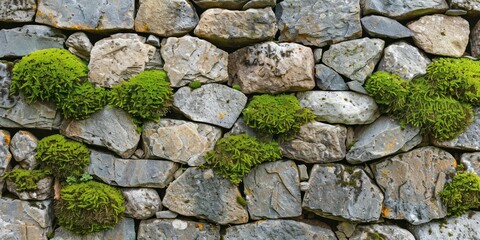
(89, 207)
(195, 84)
(82, 101)
(375, 236)
(234, 156)
(389, 91)
(462, 193)
(25, 180)
(62, 157)
(241, 201)
(237, 87)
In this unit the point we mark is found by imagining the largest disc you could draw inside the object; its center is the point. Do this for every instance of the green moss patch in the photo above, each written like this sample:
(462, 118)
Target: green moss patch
(195, 84)
(83, 101)
(25, 180)
(462, 193)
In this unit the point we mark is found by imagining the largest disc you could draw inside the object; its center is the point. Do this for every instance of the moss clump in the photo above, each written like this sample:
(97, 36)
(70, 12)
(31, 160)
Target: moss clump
(276, 114)
(82, 101)
(146, 96)
(462, 193)
(241, 201)
(89, 207)
(62, 157)
(25, 180)
(195, 84)
(234, 156)
(237, 87)
(389, 91)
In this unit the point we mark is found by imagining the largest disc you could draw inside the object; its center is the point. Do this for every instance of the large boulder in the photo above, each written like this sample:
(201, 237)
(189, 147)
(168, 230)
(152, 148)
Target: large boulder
(400, 9)
(404, 60)
(17, 11)
(141, 203)
(177, 229)
(462, 227)
(124, 230)
(468, 140)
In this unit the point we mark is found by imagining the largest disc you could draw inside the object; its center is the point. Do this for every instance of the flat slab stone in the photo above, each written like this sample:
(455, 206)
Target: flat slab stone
(404, 60)
(379, 26)
(141, 203)
(272, 68)
(329, 80)
(17, 11)
(471, 161)
(82, 15)
(211, 103)
(468, 140)
(318, 22)
(472, 7)
(131, 172)
(227, 4)
(177, 229)
(386, 231)
(124, 230)
(400, 9)
(462, 227)
(206, 195)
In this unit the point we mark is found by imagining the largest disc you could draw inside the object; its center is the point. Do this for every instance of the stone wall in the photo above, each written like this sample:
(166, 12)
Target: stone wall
(351, 174)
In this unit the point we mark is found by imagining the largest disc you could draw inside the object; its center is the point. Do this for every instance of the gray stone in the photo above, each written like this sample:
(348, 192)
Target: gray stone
(240, 127)
(441, 34)
(82, 15)
(385, 231)
(378, 26)
(23, 148)
(318, 22)
(317, 55)
(404, 60)
(17, 11)
(124, 230)
(347, 228)
(227, 4)
(471, 161)
(179, 141)
(411, 182)
(304, 186)
(463, 227)
(472, 6)
(153, 40)
(189, 59)
(357, 87)
(340, 106)
(131, 173)
(259, 4)
(141, 203)
(468, 140)
(327, 79)
(5, 156)
(17, 42)
(211, 103)
(343, 193)
(475, 40)
(456, 12)
(383, 137)
(177, 229)
(273, 191)
(44, 191)
(280, 230)
(166, 17)
(166, 214)
(229, 28)
(118, 58)
(272, 68)
(317, 142)
(400, 9)
(110, 127)
(6, 100)
(196, 193)
(155, 62)
(79, 44)
(303, 172)
(354, 59)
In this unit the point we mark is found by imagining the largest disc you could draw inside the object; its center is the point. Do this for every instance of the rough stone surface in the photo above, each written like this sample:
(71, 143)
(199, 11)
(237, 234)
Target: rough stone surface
(23, 148)
(468, 140)
(281, 230)
(354, 59)
(343, 193)
(189, 59)
(378, 26)
(79, 44)
(272, 68)
(82, 15)
(44, 191)
(405, 60)
(472, 6)
(179, 141)
(317, 142)
(317, 55)
(471, 161)
(141, 203)
(456, 12)
(5, 156)
(129, 172)
(259, 4)
(475, 40)
(166, 17)
(212, 103)
(17, 42)
(124, 230)
(240, 127)
(110, 127)
(6, 101)
(166, 214)
(229, 28)
(318, 22)
(463, 227)
(228, 4)
(273, 191)
(340, 106)
(400, 9)
(327, 79)
(441, 34)
(177, 229)
(17, 11)
(118, 58)
(303, 172)
(357, 87)
(388, 232)
(411, 182)
(383, 137)
(204, 195)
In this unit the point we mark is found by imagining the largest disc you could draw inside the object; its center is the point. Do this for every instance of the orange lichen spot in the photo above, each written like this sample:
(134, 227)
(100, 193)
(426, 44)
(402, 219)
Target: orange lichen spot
(200, 226)
(141, 27)
(385, 172)
(385, 211)
(454, 163)
(220, 115)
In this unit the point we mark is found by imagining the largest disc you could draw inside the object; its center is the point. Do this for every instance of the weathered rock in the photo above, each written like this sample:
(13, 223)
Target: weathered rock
(317, 55)
(110, 127)
(354, 59)
(317, 142)
(204, 195)
(343, 193)
(166, 214)
(272, 68)
(240, 127)
(463, 227)
(44, 191)
(129, 172)
(124, 230)
(212, 103)
(5, 156)
(400, 9)
(357, 87)
(153, 40)
(441, 34)
(327, 79)
(411, 182)
(179, 141)
(189, 59)
(386, 232)
(318, 22)
(177, 229)
(472, 6)
(456, 12)
(118, 58)
(475, 40)
(340, 106)
(471, 161)
(17, 42)
(79, 44)
(281, 230)
(383, 137)
(23, 148)
(82, 15)
(259, 4)
(229, 28)
(347, 228)
(404, 60)
(166, 17)
(378, 26)
(155, 62)
(141, 203)
(273, 191)
(303, 172)
(468, 140)
(17, 11)
(6, 100)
